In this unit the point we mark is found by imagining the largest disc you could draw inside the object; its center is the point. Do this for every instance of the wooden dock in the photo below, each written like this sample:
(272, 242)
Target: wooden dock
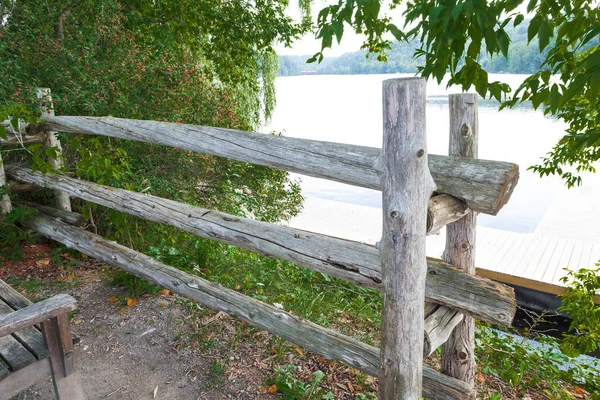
(568, 236)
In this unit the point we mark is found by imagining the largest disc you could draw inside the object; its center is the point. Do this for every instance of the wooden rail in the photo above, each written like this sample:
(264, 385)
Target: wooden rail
(405, 174)
(485, 185)
(352, 261)
(332, 345)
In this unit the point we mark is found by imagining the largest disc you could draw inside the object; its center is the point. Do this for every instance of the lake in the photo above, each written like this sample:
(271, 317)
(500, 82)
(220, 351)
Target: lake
(347, 108)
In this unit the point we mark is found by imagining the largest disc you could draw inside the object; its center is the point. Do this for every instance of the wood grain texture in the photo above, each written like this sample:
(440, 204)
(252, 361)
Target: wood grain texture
(47, 110)
(14, 353)
(439, 324)
(458, 353)
(5, 204)
(406, 187)
(29, 337)
(20, 188)
(11, 297)
(69, 217)
(36, 313)
(332, 345)
(485, 185)
(66, 380)
(15, 382)
(3, 372)
(352, 261)
(443, 210)
(23, 140)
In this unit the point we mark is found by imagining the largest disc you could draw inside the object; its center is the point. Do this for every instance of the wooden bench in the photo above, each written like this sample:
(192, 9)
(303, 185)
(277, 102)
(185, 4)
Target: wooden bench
(26, 355)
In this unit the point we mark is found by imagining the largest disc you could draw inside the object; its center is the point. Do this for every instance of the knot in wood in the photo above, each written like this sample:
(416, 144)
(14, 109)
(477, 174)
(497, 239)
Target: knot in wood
(465, 246)
(420, 153)
(389, 361)
(462, 355)
(394, 214)
(465, 130)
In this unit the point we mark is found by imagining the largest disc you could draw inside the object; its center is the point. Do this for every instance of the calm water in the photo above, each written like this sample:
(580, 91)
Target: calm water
(347, 108)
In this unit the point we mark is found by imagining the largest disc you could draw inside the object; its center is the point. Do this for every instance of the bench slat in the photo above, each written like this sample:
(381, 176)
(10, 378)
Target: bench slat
(12, 297)
(17, 301)
(3, 370)
(29, 337)
(14, 354)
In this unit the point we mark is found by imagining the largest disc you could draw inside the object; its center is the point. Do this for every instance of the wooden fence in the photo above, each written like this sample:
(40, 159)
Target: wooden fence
(421, 194)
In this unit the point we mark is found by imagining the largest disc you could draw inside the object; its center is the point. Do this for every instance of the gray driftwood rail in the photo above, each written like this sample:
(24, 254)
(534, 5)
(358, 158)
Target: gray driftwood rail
(421, 194)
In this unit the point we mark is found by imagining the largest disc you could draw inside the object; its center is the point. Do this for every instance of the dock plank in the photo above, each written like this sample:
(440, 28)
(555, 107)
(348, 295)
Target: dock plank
(509, 262)
(554, 276)
(586, 253)
(536, 273)
(494, 241)
(524, 262)
(508, 246)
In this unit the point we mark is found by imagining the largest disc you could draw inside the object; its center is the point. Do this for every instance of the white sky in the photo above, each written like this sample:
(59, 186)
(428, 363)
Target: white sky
(351, 42)
(309, 45)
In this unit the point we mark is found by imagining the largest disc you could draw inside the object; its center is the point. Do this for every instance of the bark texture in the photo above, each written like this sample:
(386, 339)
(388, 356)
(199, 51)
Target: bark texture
(406, 187)
(332, 345)
(352, 261)
(484, 185)
(458, 353)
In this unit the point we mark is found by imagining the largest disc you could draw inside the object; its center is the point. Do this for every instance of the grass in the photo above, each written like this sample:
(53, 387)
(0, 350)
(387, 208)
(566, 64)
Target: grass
(356, 312)
(29, 285)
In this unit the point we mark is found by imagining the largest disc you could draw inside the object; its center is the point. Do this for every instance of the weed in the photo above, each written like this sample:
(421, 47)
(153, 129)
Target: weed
(29, 285)
(292, 388)
(216, 373)
(526, 366)
(135, 286)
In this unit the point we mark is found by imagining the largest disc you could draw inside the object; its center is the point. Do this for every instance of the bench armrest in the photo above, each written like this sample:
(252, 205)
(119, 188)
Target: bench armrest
(36, 313)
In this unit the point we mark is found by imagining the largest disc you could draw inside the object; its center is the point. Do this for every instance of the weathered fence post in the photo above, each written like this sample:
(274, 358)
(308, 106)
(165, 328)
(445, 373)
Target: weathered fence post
(458, 360)
(47, 110)
(5, 205)
(406, 188)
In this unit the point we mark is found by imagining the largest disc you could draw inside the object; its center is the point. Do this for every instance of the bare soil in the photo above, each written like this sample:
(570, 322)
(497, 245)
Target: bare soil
(163, 346)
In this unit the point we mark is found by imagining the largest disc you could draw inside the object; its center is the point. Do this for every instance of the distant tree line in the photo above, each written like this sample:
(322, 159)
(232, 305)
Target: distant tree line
(523, 58)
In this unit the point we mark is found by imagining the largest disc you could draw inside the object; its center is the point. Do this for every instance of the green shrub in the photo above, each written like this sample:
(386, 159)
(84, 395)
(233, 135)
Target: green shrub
(578, 301)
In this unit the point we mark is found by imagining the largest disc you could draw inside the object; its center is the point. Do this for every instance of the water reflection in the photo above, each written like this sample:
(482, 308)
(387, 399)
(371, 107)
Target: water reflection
(347, 109)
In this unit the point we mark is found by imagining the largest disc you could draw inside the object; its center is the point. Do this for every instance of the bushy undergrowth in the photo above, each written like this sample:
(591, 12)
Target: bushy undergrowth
(97, 66)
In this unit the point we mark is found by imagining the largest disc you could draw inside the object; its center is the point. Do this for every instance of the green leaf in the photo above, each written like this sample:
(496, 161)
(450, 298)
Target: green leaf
(14, 122)
(503, 42)
(544, 34)
(3, 132)
(533, 28)
(398, 34)
(518, 19)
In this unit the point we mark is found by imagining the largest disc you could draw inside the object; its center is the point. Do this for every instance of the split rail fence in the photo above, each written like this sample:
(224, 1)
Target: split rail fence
(421, 194)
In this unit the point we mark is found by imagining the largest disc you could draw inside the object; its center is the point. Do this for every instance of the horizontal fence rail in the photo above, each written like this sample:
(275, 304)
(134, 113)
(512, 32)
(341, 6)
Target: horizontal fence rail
(484, 185)
(352, 261)
(332, 345)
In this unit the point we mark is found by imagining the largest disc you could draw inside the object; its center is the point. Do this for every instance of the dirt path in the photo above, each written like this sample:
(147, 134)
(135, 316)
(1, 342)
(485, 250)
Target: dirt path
(163, 346)
(128, 352)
